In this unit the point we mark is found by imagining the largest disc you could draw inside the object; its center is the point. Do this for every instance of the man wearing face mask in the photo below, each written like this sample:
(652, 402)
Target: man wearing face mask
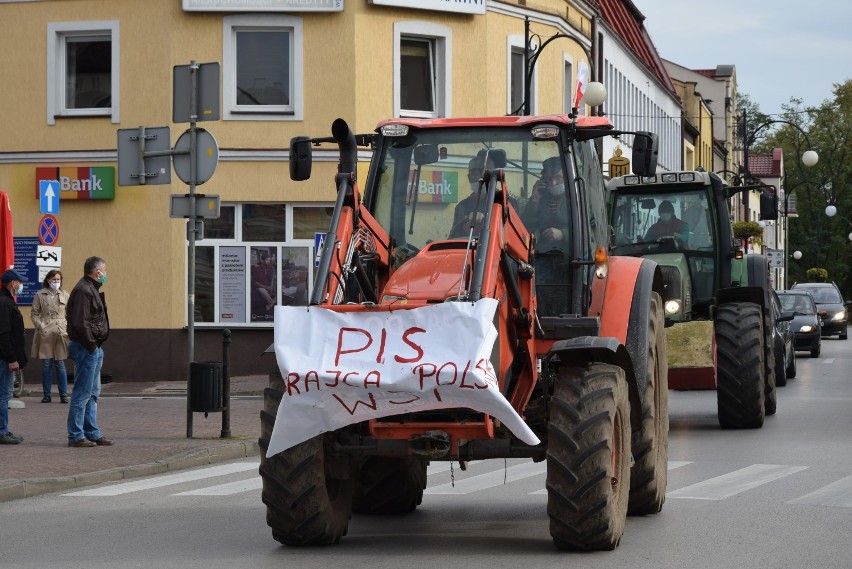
(88, 329)
(546, 216)
(471, 210)
(668, 225)
(13, 354)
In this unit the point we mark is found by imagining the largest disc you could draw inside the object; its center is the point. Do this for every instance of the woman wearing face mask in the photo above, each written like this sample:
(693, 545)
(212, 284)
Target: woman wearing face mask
(50, 344)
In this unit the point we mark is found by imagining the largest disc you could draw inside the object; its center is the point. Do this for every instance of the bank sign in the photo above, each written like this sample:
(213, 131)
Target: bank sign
(79, 182)
(436, 187)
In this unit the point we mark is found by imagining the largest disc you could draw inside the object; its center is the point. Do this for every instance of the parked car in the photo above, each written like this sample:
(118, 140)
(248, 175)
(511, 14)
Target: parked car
(805, 323)
(782, 335)
(830, 307)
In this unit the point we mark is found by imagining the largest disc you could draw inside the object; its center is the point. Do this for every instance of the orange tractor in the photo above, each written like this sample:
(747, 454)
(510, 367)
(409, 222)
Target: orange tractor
(507, 214)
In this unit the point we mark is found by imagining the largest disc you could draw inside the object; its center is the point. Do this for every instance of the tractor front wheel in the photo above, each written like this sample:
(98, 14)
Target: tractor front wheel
(307, 489)
(588, 457)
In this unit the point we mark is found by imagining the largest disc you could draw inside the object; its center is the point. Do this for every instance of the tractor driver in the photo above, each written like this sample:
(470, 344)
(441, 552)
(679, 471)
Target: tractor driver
(668, 226)
(470, 212)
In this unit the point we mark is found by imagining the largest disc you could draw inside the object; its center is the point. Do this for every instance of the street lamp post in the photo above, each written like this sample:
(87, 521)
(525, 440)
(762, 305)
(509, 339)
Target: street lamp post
(595, 91)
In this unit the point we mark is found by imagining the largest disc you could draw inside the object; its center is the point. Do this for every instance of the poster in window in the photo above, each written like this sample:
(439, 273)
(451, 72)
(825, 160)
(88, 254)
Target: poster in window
(232, 284)
(294, 275)
(264, 283)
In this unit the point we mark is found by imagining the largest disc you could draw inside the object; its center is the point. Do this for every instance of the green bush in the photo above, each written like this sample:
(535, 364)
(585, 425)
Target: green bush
(748, 230)
(817, 275)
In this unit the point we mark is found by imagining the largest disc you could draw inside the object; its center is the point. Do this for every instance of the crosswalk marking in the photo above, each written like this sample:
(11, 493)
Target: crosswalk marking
(160, 481)
(227, 489)
(727, 485)
(671, 466)
(489, 479)
(836, 494)
(439, 467)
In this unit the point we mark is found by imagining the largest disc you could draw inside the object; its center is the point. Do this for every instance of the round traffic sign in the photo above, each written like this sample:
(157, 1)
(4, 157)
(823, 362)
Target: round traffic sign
(206, 156)
(48, 230)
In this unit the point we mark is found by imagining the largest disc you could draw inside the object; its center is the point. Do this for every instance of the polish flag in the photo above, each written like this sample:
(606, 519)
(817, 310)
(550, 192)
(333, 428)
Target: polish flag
(582, 81)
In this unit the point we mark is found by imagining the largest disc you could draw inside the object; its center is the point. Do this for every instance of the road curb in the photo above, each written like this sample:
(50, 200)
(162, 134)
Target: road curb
(15, 489)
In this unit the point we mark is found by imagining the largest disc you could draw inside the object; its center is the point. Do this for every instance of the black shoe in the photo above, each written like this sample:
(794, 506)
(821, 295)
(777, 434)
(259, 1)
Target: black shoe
(10, 439)
(63, 399)
(45, 399)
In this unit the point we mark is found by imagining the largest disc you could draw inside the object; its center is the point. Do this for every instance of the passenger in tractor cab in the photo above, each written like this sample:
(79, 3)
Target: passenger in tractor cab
(546, 216)
(471, 210)
(669, 226)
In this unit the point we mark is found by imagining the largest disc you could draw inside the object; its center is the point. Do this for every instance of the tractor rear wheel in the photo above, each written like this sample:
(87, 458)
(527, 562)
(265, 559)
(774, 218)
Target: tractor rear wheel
(386, 485)
(740, 369)
(651, 444)
(588, 457)
(307, 489)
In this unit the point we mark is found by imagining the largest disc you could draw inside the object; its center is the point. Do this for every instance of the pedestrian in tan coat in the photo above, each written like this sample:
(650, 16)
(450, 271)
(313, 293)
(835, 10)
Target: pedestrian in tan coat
(50, 344)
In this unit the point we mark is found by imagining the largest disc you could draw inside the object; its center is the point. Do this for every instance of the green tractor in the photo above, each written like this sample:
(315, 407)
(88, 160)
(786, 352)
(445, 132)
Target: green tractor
(718, 314)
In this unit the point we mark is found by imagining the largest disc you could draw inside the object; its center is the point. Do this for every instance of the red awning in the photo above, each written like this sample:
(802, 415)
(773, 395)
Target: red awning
(7, 244)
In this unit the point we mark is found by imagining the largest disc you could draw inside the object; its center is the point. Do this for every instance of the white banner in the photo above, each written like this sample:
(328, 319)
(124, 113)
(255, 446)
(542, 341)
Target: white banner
(343, 368)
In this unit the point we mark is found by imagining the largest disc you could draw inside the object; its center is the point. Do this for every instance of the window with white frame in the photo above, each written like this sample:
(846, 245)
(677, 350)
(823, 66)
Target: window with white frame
(516, 78)
(82, 70)
(422, 78)
(256, 256)
(262, 67)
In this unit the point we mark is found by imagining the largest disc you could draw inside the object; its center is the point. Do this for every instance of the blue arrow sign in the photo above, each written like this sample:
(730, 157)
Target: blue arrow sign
(48, 196)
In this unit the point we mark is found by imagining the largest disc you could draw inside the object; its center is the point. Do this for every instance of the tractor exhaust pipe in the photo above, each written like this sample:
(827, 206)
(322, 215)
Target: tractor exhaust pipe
(348, 149)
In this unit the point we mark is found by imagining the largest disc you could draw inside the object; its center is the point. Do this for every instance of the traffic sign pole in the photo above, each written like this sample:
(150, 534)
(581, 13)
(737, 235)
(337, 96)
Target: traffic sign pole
(191, 231)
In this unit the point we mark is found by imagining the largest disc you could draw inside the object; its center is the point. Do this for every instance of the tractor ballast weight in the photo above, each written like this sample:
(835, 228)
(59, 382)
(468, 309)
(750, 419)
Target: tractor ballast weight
(579, 355)
(718, 315)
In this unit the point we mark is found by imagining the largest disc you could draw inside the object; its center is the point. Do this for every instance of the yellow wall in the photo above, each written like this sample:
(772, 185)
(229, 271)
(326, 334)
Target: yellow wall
(348, 59)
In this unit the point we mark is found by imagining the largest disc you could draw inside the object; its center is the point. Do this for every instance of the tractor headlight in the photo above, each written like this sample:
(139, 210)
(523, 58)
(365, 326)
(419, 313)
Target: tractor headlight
(807, 329)
(672, 306)
(839, 316)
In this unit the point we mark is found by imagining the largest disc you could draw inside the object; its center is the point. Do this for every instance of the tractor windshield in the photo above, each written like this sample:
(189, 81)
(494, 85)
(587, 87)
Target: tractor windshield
(431, 184)
(662, 222)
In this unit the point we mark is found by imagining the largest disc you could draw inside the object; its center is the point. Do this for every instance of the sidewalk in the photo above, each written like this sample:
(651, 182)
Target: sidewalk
(147, 421)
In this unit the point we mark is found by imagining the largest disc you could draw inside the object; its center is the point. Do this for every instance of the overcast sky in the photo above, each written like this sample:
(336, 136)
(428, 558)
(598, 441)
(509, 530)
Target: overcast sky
(781, 48)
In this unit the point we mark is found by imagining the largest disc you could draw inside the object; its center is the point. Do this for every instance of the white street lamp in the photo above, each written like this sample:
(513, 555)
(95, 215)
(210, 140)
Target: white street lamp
(850, 236)
(810, 158)
(797, 255)
(830, 211)
(595, 94)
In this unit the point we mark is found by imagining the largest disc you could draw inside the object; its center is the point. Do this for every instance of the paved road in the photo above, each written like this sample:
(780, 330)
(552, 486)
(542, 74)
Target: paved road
(777, 497)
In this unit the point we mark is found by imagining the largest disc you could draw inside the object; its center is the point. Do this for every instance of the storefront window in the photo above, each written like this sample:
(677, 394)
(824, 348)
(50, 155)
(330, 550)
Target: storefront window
(310, 220)
(247, 263)
(264, 222)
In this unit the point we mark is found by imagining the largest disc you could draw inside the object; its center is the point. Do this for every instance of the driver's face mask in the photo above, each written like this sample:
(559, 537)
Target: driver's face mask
(666, 216)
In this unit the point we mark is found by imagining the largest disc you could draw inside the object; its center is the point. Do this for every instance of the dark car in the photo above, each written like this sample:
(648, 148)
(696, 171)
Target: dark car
(830, 307)
(805, 323)
(782, 335)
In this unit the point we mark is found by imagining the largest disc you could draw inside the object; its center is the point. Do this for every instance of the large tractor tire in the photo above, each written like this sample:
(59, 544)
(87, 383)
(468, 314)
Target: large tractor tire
(307, 490)
(770, 402)
(650, 445)
(740, 368)
(588, 457)
(385, 485)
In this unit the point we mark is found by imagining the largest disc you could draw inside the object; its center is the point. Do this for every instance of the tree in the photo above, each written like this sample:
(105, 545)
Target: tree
(822, 240)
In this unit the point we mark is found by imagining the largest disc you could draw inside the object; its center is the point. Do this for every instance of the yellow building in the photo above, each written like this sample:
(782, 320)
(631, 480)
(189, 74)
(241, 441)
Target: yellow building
(77, 71)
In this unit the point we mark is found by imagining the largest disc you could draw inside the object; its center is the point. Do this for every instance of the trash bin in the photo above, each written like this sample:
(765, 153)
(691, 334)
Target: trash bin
(205, 387)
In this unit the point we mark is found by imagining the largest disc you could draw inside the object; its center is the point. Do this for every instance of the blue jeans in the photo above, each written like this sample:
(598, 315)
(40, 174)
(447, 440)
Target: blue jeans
(83, 410)
(61, 376)
(7, 379)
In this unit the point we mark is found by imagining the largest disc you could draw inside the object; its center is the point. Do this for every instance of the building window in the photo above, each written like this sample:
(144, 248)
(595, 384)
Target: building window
(82, 70)
(254, 257)
(517, 77)
(422, 56)
(262, 67)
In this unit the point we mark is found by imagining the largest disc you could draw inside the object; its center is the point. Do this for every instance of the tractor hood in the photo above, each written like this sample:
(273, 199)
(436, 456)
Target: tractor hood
(433, 274)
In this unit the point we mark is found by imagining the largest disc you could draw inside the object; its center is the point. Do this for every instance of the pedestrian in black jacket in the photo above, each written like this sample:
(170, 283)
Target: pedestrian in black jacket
(13, 355)
(88, 328)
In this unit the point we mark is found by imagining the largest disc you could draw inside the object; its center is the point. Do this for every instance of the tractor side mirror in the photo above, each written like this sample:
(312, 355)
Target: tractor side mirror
(426, 154)
(768, 205)
(645, 151)
(300, 158)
